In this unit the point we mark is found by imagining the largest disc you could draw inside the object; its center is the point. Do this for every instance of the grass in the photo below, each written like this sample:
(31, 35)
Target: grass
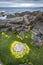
(34, 57)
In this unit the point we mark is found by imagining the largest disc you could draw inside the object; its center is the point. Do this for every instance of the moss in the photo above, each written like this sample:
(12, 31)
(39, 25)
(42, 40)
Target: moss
(35, 56)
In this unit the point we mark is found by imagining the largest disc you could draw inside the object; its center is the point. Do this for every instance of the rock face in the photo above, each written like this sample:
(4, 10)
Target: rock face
(24, 22)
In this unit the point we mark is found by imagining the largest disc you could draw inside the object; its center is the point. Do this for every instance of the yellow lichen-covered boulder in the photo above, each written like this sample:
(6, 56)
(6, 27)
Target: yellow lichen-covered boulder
(19, 49)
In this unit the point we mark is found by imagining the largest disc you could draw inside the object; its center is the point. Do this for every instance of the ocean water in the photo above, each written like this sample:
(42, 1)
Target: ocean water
(20, 9)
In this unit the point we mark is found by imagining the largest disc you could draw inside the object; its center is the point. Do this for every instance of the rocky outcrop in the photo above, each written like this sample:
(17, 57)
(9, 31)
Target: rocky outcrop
(37, 38)
(24, 22)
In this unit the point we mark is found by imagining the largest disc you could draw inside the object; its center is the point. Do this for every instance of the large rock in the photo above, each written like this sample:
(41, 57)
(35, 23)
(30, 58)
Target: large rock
(5, 29)
(19, 29)
(10, 16)
(26, 20)
(37, 38)
(16, 26)
(16, 20)
(2, 23)
(22, 14)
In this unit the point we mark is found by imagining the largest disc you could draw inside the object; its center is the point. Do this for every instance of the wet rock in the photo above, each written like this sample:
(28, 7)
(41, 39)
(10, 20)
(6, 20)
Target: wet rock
(22, 13)
(10, 16)
(2, 13)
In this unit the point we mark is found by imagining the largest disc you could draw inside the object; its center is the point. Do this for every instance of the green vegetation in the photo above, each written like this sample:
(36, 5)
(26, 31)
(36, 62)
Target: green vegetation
(34, 57)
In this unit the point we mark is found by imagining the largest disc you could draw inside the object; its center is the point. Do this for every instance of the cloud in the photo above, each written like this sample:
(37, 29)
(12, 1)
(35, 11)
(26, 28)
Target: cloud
(12, 4)
(22, 1)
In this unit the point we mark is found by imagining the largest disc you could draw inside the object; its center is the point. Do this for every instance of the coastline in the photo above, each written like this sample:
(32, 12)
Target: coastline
(24, 22)
(26, 27)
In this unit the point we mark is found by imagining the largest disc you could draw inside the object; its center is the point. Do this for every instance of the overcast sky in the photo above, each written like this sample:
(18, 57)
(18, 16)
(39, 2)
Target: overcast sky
(21, 3)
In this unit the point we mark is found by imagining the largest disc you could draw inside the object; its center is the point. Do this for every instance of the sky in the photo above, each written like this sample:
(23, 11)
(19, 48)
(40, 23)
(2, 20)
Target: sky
(21, 3)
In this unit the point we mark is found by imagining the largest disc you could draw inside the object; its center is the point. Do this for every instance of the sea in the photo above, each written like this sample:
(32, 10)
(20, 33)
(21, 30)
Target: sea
(20, 9)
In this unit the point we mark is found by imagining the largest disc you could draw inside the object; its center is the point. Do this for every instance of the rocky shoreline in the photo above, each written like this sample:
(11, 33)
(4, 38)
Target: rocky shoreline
(24, 22)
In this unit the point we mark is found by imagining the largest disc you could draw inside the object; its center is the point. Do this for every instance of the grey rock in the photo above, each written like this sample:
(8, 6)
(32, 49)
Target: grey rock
(38, 39)
(4, 29)
(1, 63)
(19, 29)
(21, 34)
(16, 20)
(23, 22)
(10, 16)
(27, 29)
(15, 26)
(26, 20)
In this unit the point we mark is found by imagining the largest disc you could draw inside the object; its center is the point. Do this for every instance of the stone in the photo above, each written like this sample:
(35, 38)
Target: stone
(27, 29)
(8, 25)
(19, 29)
(21, 34)
(38, 39)
(2, 23)
(10, 16)
(4, 29)
(25, 19)
(22, 13)
(20, 48)
(1, 63)
(16, 20)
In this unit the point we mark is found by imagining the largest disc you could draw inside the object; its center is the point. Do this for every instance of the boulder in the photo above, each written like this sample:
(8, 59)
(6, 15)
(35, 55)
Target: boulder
(5, 29)
(2, 23)
(38, 16)
(21, 34)
(27, 29)
(16, 20)
(15, 26)
(10, 16)
(26, 20)
(22, 14)
(37, 38)
(19, 29)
